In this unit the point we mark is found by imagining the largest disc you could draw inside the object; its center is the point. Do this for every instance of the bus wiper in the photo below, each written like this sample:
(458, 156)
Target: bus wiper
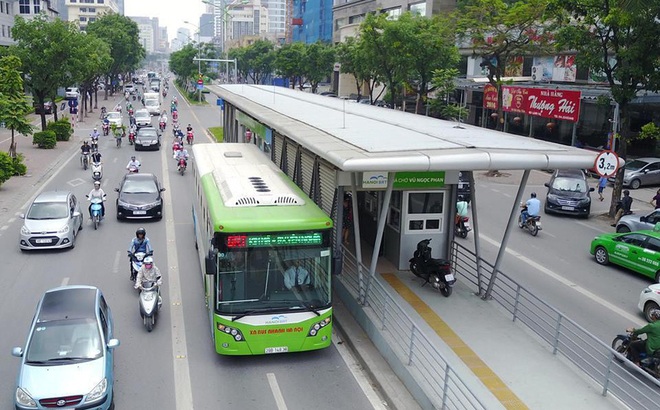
(311, 307)
(252, 311)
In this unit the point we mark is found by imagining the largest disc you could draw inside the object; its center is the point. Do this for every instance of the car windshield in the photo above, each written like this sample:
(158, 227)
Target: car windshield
(139, 187)
(151, 103)
(48, 210)
(114, 116)
(63, 341)
(147, 133)
(569, 184)
(635, 165)
(142, 114)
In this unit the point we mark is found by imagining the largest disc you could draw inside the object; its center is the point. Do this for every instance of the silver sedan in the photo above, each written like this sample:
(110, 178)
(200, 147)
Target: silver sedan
(631, 223)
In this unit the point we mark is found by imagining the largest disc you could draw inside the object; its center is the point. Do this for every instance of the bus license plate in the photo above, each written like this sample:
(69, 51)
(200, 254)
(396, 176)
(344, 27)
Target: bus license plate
(281, 349)
(139, 212)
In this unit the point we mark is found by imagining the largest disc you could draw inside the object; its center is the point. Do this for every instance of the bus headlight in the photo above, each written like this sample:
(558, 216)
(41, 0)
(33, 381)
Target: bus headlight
(314, 329)
(232, 331)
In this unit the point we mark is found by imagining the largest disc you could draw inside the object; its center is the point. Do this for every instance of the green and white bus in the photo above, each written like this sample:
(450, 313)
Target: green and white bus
(266, 251)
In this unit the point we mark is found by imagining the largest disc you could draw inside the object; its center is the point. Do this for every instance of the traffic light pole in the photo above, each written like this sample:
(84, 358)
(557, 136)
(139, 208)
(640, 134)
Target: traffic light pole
(220, 60)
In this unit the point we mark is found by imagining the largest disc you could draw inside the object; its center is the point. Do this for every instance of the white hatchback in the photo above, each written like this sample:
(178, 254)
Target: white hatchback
(649, 300)
(71, 93)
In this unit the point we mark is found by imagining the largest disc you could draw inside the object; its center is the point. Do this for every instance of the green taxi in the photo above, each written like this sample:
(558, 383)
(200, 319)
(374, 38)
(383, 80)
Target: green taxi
(638, 251)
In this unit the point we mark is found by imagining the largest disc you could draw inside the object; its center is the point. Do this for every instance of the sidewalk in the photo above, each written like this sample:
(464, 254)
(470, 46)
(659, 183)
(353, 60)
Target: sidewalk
(41, 163)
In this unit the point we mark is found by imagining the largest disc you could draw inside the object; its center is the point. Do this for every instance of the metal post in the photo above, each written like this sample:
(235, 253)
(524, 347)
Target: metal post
(507, 231)
(379, 230)
(412, 345)
(445, 386)
(475, 223)
(199, 68)
(555, 344)
(356, 234)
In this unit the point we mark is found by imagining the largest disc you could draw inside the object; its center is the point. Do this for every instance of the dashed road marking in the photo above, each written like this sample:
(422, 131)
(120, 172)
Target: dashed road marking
(277, 393)
(64, 282)
(76, 182)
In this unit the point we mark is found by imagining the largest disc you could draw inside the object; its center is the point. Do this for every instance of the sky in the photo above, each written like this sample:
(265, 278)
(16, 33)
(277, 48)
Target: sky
(170, 13)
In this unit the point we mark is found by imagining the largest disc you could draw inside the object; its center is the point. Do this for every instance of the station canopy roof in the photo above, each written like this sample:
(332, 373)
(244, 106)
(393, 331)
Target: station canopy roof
(360, 137)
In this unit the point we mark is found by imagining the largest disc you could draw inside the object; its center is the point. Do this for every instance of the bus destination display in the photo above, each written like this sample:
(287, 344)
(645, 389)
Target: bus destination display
(270, 240)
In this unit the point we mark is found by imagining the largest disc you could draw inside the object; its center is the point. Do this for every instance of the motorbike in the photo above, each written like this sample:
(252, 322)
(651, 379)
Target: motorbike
(97, 171)
(189, 137)
(181, 166)
(462, 227)
(136, 262)
(95, 144)
(437, 272)
(161, 125)
(84, 160)
(133, 169)
(650, 364)
(532, 224)
(131, 138)
(96, 211)
(106, 129)
(150, 303)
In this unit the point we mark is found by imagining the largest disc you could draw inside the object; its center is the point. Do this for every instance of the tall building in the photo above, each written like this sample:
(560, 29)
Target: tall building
(60, 6)
(312, 21)
(183, 36)
(149, 32)
(162, 45)
(120, 5)
(277, 15)
(85, 13)
(247, 20)
(30, 8)
(7, 13)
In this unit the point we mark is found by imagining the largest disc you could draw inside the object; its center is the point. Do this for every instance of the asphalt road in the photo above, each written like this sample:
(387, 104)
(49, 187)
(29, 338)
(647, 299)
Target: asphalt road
(556, 265)
(150, 370)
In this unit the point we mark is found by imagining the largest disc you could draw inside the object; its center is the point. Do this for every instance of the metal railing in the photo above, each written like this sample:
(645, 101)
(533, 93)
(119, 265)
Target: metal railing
(436, 377)
(615, 374)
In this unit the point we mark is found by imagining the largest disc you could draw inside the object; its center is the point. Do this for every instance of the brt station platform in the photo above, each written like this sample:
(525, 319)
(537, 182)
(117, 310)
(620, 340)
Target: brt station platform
(490, 344)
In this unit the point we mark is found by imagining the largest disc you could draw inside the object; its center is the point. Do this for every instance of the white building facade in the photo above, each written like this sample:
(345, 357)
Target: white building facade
(84, 12)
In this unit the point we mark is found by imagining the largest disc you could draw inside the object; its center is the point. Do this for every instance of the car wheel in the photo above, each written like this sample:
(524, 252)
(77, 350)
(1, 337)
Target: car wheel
(648, 308)
(635, 184)
(622, 229)
(601, 256)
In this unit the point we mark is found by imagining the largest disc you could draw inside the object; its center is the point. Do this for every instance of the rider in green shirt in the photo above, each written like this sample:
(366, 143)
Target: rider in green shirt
(652, 342)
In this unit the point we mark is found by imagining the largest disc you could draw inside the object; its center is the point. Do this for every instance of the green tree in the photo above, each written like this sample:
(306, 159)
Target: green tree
(181, 63)
(14, 107)
(426, 45)
(350, 55)
(260, 56)
(44, 49)
(6, 167)
(619, 43)
(288, 61)
(122, 35)
(93, 62)
(242, 63)
(318, 63)
(499, 30)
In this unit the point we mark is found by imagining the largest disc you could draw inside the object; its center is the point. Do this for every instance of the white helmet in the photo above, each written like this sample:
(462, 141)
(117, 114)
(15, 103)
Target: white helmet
(148, 261)
(97, 183)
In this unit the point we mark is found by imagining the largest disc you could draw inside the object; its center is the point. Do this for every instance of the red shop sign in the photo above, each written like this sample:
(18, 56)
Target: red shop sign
(541, 102)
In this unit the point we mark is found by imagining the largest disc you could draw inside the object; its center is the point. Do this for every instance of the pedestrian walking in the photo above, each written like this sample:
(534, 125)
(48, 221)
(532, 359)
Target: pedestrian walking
(602, 183)
(656, 200)
(347, 222)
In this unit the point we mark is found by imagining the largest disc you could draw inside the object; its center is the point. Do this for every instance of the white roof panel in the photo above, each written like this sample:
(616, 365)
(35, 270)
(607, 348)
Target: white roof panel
(360, 137)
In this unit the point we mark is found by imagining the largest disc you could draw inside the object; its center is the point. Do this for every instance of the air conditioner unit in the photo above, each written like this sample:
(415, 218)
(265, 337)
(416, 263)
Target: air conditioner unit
(537, 73)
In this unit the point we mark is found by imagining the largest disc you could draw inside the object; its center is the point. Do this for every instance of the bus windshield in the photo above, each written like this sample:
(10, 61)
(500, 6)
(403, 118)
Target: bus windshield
(259, 280)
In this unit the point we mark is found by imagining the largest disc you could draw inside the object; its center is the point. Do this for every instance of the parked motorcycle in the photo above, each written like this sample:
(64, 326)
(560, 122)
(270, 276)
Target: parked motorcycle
(97, 171)
(181, 166)
(532, 224)
(96, 211)
(136, 262)
(437, 272)
(189, 137)
(150, 303)
(651, 365)
(462, 227)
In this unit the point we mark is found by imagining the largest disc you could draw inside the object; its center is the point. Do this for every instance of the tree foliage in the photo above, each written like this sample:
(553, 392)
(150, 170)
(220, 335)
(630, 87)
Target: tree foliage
(289, 60)
(261, 56)
(14, 107)
(499, 30)
(317, 64)
(181, 63)
(617, 39)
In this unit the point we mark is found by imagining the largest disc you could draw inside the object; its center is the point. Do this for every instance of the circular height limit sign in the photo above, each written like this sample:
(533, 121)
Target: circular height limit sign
(607, 163)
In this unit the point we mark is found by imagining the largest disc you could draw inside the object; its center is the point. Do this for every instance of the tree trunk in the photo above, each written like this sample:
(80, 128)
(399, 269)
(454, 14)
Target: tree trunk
(12, 146)
(622, 151)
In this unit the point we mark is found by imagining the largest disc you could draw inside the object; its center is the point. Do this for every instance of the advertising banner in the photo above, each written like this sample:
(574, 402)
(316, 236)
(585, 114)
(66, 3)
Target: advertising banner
(540, 102)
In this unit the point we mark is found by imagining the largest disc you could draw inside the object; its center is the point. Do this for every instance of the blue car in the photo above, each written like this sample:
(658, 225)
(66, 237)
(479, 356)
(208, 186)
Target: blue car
(68, 359)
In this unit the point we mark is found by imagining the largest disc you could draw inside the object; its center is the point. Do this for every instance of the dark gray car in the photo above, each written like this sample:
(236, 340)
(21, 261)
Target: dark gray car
(147, 138)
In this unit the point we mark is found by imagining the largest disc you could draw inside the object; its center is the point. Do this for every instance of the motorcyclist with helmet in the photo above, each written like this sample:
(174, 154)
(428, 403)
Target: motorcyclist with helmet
(97, 193)
(652, 342)
(133, 164)
(148, 272)
(531, 208)
(85, 149)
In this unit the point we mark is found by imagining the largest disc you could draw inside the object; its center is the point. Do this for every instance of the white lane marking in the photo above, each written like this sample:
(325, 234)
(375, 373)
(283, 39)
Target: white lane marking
(206, 134)
(358, 373)
(65, 282)
(182, 385)
(11, 220)
(595, 228)
(115, 264)
(114, 160)
(277, 393)
(567, 282)
(4, 228)
(545, 233)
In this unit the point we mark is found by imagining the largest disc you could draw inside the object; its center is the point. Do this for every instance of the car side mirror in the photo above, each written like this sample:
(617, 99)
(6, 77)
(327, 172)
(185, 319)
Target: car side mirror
(22, 216)
(17, 352)
(211, 266)
(162, 189)
(642, 219)
(112, 343)
(116, 189)
(547, 185)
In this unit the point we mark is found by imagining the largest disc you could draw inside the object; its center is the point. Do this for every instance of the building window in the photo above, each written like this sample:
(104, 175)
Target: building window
(92, 10)
(91, 19)
(419, 9)
(24, 6)
(9, 31)
(356, 19)
(2, 6)
(393, 14)
(83, 18)
(83, 9)
(37, 6)
(3, 31)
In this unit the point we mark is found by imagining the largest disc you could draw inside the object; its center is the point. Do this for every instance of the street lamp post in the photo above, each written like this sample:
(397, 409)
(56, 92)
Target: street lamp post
(225, 16)
(199, 55)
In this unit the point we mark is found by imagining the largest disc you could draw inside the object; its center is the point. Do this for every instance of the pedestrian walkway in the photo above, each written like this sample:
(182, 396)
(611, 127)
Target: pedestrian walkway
(501, 362)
